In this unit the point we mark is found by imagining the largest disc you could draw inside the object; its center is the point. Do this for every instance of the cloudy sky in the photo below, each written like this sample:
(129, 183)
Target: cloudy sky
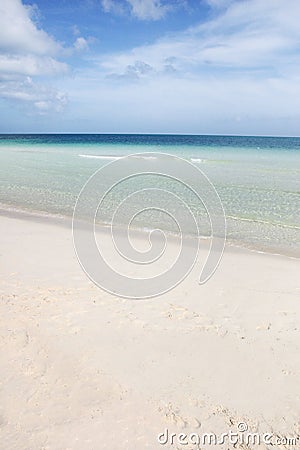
(157, 66)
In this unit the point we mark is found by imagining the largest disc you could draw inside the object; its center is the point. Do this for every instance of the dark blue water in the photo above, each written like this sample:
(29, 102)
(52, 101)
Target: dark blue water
(264, 142)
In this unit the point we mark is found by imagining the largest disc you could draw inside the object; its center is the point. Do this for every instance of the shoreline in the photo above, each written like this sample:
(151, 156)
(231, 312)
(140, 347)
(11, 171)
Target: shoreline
(66, 221)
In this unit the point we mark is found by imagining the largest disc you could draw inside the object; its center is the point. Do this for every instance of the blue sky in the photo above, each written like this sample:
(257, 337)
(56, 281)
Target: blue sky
(157, 66)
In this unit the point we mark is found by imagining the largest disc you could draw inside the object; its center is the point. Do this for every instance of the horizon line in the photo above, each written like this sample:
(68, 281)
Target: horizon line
(147, 134)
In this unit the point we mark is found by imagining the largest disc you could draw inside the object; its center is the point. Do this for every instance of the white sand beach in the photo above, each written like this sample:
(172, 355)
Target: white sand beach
(81, 369)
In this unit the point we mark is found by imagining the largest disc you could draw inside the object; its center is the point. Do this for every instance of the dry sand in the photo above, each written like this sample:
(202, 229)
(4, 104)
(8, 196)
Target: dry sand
(81, 369)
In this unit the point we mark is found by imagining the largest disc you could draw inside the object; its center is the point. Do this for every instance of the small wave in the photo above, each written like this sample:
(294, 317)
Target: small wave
(111, 157)
(19, 211)
(213, 161)
(265, 222)
(100, 157)
(198, 160)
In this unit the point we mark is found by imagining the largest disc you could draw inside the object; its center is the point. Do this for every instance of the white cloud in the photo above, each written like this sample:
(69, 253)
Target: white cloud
(205, 104)
(133, 72)
(148, 9)
(81, 44)
(112, 6)
(26, 50)
(30, 65)
(25, 92)
(141, 9)
(237, 72)
(256, 35)
(18, 33)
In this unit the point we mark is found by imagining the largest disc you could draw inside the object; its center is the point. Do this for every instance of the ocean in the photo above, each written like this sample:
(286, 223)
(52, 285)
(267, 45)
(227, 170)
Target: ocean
(257, 179)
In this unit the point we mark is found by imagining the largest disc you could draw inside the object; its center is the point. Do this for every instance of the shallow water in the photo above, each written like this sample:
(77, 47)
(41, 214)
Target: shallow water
(257, 179)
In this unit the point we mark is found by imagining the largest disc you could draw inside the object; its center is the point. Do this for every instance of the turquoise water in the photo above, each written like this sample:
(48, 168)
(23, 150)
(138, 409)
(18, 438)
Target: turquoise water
(257, 179)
